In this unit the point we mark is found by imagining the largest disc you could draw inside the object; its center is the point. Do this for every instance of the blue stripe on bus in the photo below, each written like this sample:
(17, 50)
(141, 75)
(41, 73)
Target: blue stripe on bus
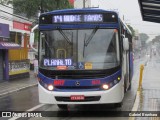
(77, 26)
(83, 82)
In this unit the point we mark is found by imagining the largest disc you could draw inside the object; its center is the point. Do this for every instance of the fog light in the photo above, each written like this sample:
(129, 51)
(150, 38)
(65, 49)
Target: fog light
(119, 78)
(105, 86)
(50, 87)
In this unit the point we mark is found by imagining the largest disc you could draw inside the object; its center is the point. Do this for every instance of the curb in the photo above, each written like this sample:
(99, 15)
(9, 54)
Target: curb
(136, 105)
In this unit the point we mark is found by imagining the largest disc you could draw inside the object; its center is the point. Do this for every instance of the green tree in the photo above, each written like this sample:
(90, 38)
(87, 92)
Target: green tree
(143, 37)
(29, 8)
(156, 39)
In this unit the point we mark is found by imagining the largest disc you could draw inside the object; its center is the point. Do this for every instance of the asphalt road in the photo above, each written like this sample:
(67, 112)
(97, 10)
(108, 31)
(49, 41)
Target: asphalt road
(27, 100)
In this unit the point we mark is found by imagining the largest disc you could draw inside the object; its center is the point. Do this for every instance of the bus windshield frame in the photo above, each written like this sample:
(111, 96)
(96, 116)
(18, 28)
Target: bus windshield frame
(79, 49)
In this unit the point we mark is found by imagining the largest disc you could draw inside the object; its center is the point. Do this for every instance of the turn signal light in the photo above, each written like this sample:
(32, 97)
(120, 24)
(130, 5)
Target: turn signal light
(50, 87)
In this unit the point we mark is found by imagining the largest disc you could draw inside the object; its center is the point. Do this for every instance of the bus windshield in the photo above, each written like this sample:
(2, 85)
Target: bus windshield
(80, 49)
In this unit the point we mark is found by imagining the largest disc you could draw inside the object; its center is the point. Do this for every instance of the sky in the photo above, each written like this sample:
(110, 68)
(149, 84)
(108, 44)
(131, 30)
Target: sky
(129, 9)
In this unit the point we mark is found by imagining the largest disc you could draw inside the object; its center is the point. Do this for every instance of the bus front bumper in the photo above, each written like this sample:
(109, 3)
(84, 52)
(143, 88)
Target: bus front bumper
(113, 95)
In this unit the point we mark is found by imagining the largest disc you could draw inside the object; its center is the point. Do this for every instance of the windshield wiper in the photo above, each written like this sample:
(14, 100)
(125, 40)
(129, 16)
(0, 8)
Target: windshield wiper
(86, 42)
(65, 37)
(47, 44)
(90, 37)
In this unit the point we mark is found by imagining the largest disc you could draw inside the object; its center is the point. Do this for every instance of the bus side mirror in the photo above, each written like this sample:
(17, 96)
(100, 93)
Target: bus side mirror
(31, 39)
(125, 44)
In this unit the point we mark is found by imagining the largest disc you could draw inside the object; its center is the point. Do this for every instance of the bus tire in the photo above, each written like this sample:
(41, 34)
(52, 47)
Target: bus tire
(118, 105)
(130, 86)
(62, 106)
(125, 85)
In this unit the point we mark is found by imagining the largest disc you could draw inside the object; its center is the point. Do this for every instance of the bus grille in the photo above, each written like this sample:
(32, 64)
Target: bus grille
(78, 74)
(87, 99)
(77, 87)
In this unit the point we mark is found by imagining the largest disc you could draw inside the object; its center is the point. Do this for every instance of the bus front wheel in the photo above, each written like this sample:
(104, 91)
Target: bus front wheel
(118, 105)
(62, 106)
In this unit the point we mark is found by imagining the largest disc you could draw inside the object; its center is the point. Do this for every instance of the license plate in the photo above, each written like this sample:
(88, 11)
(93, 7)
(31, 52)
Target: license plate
(77, 97)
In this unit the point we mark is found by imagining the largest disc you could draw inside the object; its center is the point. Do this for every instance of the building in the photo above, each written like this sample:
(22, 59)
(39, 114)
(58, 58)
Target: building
(14, 36)
(82, 3)
(102, 4)
(71, 2)
(87, 4)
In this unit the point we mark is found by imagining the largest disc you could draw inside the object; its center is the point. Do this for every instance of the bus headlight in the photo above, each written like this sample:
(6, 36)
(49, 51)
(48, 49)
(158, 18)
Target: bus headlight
(105, 86)
(50, 87)
(109, 85)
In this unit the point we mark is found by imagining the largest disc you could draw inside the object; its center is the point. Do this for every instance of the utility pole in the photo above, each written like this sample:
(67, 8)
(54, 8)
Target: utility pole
(57, 2)
(84, 3)
(40, 10)
(41, 7)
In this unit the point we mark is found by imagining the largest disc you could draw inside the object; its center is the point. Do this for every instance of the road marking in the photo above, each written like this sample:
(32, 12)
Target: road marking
(36, 107)
(136, 105)
(32, 109)
(17, 89)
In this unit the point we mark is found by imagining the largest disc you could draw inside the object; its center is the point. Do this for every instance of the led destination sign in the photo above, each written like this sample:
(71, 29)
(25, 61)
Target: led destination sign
(77, 18)
(82, 18)
(57, 62)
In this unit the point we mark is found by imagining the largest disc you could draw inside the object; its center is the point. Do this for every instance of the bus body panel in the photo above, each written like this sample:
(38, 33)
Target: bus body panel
(79, 26)
(113, 95)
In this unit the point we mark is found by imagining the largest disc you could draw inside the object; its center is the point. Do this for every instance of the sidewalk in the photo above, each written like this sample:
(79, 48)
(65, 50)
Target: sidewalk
(17, 84)
(149, 99)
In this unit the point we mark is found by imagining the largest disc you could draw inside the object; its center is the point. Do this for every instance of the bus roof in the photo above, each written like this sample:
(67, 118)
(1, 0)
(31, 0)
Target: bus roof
(88, 10)
(108, 18)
